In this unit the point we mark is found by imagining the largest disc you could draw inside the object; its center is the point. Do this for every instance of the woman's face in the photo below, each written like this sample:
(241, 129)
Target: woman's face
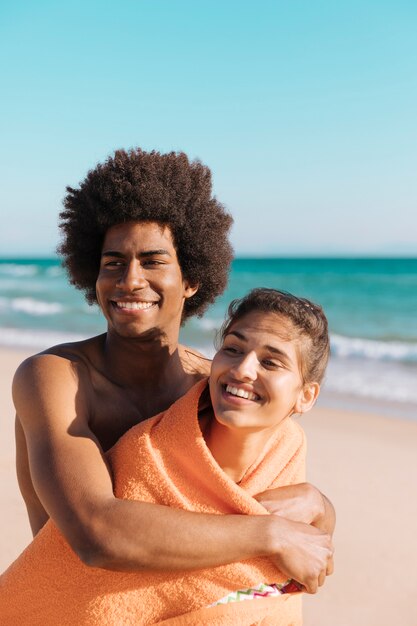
(255, 379)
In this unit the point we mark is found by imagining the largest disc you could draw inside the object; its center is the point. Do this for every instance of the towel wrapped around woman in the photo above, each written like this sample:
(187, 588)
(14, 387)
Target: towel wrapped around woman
(164, 460)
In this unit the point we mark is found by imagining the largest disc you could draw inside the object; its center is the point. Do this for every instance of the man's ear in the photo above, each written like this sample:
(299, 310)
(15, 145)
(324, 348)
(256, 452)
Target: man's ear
(307, 397)
(190, 290)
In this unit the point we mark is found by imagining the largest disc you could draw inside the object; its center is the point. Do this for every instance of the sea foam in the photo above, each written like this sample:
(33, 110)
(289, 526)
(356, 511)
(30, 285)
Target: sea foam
(373, 349)
(17, 270)
(369, 379)
(36, 307)
(36, 339)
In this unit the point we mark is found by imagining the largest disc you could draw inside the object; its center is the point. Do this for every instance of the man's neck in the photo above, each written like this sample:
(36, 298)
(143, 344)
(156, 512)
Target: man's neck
(153, 372)
(129, 361)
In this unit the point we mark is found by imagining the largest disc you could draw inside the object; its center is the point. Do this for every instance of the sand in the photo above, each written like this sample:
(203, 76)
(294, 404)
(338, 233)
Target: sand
(365, 463)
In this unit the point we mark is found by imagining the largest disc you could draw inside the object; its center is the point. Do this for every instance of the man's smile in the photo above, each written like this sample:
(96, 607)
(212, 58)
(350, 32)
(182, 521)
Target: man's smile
(129, 305)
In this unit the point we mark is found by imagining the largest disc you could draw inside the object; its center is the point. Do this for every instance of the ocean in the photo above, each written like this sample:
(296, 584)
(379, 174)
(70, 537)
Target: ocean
(371, 305)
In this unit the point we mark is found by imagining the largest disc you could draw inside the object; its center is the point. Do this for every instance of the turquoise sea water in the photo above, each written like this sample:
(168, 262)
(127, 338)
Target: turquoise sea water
(371, 305)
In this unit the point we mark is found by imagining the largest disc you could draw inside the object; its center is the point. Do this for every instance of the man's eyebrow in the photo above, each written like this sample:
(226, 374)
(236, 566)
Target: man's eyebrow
(272, 349)
(119, 255)
(144, 253)
(159, 252)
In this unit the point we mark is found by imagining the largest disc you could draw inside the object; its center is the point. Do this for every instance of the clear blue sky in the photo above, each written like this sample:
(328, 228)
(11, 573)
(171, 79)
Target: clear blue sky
(304, 110)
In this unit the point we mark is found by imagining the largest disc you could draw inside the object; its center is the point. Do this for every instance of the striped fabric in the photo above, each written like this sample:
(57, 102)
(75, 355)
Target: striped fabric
(261, 591)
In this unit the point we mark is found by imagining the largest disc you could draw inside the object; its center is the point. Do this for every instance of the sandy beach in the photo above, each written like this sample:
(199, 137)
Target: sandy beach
(365, 463)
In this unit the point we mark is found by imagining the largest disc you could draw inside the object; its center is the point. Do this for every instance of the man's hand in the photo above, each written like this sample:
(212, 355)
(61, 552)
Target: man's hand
(305, 554)
(308, 519)
(300, 503)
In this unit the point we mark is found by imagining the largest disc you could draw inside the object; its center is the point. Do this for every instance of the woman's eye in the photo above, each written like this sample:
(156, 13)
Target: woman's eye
(230, 349)
(270, 364)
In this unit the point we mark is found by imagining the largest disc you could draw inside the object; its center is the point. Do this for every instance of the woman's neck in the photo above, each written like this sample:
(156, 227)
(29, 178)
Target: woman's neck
(235, 451)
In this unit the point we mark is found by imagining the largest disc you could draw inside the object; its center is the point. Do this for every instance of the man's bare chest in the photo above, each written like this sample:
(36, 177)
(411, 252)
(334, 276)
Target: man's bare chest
(113, 412)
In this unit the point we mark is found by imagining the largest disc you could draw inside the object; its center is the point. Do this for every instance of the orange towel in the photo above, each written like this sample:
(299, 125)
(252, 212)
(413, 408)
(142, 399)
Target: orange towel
(164, 460)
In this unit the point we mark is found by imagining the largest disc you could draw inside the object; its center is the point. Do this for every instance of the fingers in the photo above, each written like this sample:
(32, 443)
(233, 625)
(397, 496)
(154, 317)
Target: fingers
(311, 586)
(330, 566)
(322, 578)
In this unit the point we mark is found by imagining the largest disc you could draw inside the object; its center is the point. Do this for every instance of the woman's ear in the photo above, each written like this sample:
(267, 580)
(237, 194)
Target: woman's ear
(307, 397)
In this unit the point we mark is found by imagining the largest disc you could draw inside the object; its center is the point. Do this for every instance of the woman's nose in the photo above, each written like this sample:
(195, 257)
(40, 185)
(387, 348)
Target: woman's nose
(133, 277)
(247, 367)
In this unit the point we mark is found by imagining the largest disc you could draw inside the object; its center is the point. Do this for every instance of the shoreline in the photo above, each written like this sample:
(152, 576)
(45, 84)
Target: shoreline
(328, 398)
(365, 462)
(402, 411)
(398, 411)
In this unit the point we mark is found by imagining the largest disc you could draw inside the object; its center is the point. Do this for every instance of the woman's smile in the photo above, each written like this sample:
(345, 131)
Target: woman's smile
(255, 379)
(232, 391)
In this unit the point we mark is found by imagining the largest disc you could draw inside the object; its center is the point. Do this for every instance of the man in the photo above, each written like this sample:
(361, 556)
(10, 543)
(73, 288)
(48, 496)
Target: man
(143, 237)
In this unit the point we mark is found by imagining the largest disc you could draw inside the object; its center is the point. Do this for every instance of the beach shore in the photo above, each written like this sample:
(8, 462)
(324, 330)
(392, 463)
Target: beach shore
(367, 465)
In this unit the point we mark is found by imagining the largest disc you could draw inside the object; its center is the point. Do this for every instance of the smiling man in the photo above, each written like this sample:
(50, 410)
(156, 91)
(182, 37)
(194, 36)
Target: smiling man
(144, 237)
(140, 287)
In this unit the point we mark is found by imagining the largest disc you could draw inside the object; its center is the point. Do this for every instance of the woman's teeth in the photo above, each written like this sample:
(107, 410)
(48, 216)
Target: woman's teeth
(241, 393)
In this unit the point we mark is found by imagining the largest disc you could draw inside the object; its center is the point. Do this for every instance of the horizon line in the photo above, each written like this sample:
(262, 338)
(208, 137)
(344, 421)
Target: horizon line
(250, 256)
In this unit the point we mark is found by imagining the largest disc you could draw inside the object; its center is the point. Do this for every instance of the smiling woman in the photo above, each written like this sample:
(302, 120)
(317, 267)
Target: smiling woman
(263, 373)
(256, 374)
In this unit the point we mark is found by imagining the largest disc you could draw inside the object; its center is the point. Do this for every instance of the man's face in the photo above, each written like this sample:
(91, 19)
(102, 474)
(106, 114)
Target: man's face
(140, 287)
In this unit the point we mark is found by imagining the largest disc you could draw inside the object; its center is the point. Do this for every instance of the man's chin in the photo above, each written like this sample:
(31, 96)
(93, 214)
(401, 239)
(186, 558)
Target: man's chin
(140, 334)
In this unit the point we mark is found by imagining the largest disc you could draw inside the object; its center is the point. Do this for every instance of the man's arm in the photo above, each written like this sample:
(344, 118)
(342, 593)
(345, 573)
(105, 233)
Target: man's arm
(73, 483)
(306, 504)
(301, 503)
(35, 510)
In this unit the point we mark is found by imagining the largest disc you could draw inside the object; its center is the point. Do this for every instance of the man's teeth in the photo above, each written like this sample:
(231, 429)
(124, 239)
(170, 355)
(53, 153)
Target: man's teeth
(134, 305)
(235, 391)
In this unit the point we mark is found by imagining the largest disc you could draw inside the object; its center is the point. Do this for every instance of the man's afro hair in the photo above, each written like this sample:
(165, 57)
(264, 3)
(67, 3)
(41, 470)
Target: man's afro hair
(149, 187)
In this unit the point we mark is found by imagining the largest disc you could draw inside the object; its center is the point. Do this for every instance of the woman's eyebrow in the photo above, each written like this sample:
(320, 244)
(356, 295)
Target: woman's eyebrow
(281, 353)
(237, 334)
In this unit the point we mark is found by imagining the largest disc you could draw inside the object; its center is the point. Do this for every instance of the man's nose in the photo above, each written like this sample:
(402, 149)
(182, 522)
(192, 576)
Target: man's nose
(246, 368)
(133, 276)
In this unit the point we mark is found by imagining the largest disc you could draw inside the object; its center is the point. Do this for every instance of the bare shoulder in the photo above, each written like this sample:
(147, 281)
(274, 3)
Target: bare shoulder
(56, 376)
(194, 362)
(66, 357)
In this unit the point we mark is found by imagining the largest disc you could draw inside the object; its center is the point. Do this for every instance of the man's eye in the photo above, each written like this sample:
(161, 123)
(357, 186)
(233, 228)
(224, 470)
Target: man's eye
(113, 264)
(152, 262)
